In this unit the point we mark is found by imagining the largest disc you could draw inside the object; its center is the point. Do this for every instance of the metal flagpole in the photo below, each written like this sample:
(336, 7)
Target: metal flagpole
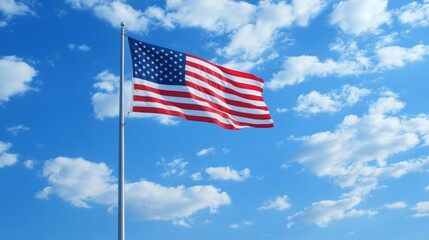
(121, 205)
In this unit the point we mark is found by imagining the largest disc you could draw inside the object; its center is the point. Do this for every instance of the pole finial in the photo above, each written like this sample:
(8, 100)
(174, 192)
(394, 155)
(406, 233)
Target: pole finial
(122, 24)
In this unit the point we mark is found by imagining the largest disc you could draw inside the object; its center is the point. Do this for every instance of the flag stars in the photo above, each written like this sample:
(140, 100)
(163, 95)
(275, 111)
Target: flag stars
(157, 64)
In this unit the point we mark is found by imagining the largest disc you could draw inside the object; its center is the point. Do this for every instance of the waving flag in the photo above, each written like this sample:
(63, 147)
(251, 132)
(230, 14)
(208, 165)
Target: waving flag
(179, 84)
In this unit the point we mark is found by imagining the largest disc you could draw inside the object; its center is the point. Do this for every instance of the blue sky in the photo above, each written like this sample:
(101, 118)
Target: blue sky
(345, 82)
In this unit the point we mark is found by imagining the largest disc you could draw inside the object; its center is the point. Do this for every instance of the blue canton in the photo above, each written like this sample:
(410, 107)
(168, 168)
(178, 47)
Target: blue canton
(157, 64)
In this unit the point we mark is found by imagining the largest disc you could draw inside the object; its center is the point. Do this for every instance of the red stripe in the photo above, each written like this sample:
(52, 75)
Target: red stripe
(201, 89)
(195, 118)
(214, 106)
(230, 71)
(217, 75)
(222, 88)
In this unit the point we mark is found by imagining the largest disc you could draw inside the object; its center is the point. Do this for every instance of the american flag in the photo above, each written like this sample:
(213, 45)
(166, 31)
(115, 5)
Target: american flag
(178, 84)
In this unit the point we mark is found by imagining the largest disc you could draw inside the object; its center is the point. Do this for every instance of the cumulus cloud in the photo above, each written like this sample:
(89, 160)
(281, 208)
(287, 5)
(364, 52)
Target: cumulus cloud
(78, 181)
(280, 203)
(414, 14)
(29, 164)
(11, 8)
(240, 20)
(15, 77)
(105, 101)
(114, 12)
(226, 173)
(361, 16)
(421, 209)
(269, 17)
(352, 62)
(297, 69)
(323, 212)
(355, 156)
(83, 3)
(360, 140)
(395, 205)
(216, 16)
(7, 159)
(197, 176)
(315, 102)
(206, 151)
(84, 183)
(396, 56)
(156, 202)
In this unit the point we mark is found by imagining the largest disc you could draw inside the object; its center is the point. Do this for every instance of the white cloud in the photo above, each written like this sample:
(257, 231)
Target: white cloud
(78, 181)
(15, 77)
(395, 56)
(280, 203)
(177, 167)
(358, 141)
(82, 183)
(84, 3)
(399, 169)
(239, 19)
(7, 159)
(182, 222)
(421, 209)
(197, 176)
(155, 202)
(395, 205)
(206, 151)
(332, 102)
(282, 110)
(15, 130)
(226, 173)
(105, 101)
(414, 14)
(323, 212)
(29, 164)
(304, 11)
(269, 18)
(241, 224)
(11, 8)
(352, 61)
(81, 48)
(360, 16)
(356, 154)
(116, 12)
(297, 69)
(216, 16)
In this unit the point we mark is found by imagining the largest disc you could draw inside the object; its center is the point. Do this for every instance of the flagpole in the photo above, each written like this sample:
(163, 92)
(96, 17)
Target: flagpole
(121, 204)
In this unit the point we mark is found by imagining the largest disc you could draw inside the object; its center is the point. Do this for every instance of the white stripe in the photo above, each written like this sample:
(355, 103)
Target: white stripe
(222, 82)
(197, 102)
(232, 77)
